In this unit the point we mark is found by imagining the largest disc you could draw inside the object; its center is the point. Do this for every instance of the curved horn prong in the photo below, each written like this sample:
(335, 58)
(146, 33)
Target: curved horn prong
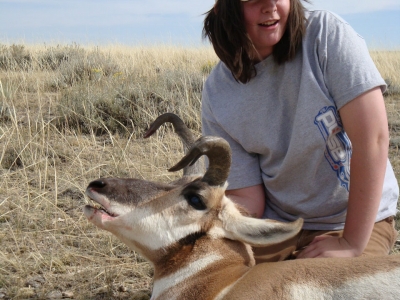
(219, 154)
(186, 136)
(180, 128)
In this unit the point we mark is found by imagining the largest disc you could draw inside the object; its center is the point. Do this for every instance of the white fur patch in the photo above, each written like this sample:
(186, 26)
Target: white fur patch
(157, 230)
(385, 285)
(225, 291)
(181, 275)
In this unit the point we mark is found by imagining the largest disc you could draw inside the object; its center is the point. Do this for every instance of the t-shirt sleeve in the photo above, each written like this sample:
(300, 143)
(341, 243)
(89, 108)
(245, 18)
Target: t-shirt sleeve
(347, 66)
(245, 168)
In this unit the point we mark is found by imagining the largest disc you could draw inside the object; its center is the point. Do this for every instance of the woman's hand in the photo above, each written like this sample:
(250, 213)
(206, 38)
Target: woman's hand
(329, 246)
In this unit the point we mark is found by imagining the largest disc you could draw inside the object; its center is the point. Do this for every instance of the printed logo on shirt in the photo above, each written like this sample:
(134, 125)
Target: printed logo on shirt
(338, 145)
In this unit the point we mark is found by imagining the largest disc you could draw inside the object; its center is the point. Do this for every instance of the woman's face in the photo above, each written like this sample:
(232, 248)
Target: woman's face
(265, 22)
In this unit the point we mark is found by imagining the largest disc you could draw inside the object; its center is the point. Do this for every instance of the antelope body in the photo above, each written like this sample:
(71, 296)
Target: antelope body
(199, 241)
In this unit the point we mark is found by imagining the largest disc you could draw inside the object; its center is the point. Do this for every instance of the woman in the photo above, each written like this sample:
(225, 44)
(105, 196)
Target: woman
(299, 99)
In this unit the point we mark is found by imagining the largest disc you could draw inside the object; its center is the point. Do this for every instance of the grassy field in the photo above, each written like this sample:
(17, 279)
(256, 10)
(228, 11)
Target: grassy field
(70, 114)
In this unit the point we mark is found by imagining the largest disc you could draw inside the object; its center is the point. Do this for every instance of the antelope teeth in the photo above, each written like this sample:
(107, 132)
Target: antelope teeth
(97, 206)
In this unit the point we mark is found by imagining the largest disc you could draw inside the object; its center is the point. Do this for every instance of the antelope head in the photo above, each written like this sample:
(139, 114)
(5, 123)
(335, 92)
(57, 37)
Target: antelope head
(160, 220)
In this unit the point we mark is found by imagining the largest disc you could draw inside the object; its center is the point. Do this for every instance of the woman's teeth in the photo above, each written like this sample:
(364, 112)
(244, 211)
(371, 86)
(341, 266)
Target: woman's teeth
(270, 23)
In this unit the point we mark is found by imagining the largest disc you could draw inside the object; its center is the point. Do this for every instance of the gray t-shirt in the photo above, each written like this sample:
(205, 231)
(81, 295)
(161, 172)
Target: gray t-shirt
(285, 130)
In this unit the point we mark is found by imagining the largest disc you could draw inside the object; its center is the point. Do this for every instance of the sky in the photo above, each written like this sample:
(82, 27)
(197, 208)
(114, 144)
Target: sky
(133, 22)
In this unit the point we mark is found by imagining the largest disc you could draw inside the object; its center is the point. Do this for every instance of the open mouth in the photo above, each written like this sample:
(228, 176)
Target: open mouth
(269, 23)
(97, 207)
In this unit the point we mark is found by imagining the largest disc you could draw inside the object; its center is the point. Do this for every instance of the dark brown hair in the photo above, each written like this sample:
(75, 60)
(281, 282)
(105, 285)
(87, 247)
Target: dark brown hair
(224, 27)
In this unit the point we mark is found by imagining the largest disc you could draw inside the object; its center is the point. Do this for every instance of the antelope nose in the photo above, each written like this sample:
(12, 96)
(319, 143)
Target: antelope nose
(97, 184)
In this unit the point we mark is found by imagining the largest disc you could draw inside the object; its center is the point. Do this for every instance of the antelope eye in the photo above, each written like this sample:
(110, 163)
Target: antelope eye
(195, 201)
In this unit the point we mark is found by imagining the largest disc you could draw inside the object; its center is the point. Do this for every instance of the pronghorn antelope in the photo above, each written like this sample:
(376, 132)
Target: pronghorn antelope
(199, 241)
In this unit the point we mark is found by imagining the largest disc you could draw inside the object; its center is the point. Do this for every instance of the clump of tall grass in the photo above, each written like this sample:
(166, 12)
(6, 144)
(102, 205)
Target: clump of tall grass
(72, 61)
(125, 103)
(388, 64)
(81, 65)
(114, 89)
(14, 57)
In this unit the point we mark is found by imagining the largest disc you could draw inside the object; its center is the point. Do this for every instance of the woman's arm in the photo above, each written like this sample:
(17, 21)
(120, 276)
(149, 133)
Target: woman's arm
(251, 198)
(365, 122)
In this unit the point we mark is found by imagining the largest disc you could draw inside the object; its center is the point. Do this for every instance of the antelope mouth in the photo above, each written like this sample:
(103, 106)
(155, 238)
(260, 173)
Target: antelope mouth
(95, 207)
(98, 204)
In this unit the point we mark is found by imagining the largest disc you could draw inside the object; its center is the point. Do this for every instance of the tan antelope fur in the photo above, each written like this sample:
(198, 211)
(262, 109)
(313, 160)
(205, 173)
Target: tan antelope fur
(199, 241)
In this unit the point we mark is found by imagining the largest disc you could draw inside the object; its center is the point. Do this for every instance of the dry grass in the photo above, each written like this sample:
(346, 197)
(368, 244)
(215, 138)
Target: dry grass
(70, 114)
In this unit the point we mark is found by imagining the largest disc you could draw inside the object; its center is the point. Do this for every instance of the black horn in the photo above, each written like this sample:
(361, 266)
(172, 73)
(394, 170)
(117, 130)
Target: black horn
(186, 136)
(219, 154)
(180, 128)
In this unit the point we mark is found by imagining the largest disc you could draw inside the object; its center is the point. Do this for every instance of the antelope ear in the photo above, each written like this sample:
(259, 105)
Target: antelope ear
(257, 232)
